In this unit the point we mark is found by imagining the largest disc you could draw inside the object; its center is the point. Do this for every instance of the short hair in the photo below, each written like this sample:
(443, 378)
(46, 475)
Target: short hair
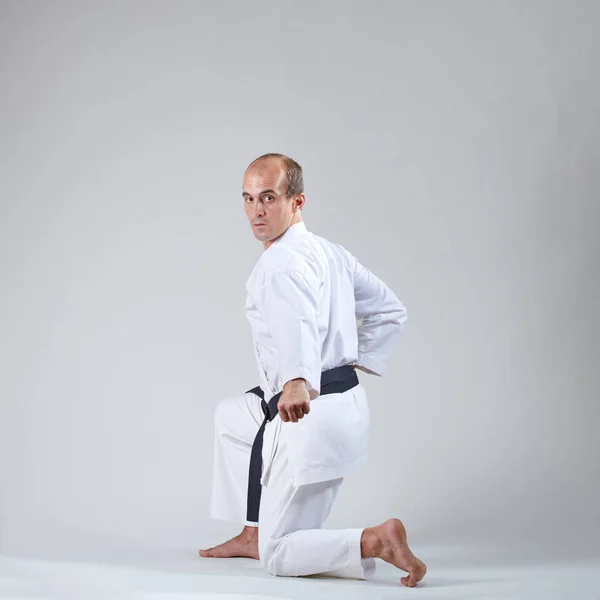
(293, 171)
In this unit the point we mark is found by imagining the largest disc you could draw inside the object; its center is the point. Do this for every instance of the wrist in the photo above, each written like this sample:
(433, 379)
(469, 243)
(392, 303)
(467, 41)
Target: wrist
(298, 383)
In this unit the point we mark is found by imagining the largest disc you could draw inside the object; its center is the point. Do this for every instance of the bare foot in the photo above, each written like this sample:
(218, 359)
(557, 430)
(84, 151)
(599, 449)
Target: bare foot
(245, 544)
(388, 542)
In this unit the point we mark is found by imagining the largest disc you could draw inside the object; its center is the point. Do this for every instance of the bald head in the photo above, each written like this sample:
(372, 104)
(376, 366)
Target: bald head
(273, 196)
(292, 171)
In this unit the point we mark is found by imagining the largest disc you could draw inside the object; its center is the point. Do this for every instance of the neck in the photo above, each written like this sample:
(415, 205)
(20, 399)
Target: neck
(297, 218)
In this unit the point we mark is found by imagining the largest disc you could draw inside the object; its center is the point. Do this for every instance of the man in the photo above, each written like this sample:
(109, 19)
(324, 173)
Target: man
(282, 450)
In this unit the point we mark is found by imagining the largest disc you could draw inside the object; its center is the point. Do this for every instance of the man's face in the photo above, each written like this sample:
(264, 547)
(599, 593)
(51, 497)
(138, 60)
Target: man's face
(268, 209)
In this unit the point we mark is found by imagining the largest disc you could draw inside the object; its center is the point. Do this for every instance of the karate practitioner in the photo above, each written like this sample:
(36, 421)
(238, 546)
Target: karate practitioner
(283, 448)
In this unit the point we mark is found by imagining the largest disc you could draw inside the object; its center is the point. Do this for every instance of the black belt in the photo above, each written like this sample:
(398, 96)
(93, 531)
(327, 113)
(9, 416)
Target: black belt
(333, 381)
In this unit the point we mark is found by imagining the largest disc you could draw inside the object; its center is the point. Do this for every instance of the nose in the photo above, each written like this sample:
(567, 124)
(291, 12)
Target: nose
(259, 209)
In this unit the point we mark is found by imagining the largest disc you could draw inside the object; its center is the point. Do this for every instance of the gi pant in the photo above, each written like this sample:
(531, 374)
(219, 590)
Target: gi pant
(291, 541)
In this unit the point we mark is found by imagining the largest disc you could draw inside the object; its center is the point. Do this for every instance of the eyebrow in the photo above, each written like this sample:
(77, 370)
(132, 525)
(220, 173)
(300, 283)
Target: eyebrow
(261, 193)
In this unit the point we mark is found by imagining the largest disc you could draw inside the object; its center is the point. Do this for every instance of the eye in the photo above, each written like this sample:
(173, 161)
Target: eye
(247, 199)
(268, 199)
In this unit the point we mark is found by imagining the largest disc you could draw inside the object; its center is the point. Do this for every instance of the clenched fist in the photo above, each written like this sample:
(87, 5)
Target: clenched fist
(294, 402)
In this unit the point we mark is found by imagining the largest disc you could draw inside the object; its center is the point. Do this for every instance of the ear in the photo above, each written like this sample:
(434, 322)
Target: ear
(299, 201)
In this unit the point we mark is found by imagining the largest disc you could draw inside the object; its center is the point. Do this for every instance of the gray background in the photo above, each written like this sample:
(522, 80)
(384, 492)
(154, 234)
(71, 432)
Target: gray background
(452, 146)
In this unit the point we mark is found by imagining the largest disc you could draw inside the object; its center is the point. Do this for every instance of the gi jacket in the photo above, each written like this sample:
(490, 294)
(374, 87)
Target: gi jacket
(311, 307)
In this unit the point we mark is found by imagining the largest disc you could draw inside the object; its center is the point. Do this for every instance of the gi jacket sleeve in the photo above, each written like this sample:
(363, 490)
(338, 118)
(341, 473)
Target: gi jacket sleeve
(383, 317)
(288, 305)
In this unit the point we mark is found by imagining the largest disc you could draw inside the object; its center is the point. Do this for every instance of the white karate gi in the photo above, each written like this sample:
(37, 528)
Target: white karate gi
(304, 298)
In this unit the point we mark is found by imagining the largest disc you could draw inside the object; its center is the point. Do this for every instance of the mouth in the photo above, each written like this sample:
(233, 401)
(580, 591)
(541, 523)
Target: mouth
(259, 225)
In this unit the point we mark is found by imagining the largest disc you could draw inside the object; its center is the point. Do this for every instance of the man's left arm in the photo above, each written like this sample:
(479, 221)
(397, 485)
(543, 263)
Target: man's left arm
(289, 306)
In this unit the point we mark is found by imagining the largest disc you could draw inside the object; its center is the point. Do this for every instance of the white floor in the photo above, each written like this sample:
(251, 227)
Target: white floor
(182, 575)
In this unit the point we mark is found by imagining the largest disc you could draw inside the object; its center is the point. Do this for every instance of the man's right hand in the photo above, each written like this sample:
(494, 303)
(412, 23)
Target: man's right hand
(364, 370)
(294, 402)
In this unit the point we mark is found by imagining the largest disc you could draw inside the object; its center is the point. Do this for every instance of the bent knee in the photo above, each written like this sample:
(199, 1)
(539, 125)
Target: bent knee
(268, 559)
(270, 554)
(224, 411)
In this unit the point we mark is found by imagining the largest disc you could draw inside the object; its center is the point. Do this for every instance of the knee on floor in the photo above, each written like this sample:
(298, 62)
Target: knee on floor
(270, 554)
